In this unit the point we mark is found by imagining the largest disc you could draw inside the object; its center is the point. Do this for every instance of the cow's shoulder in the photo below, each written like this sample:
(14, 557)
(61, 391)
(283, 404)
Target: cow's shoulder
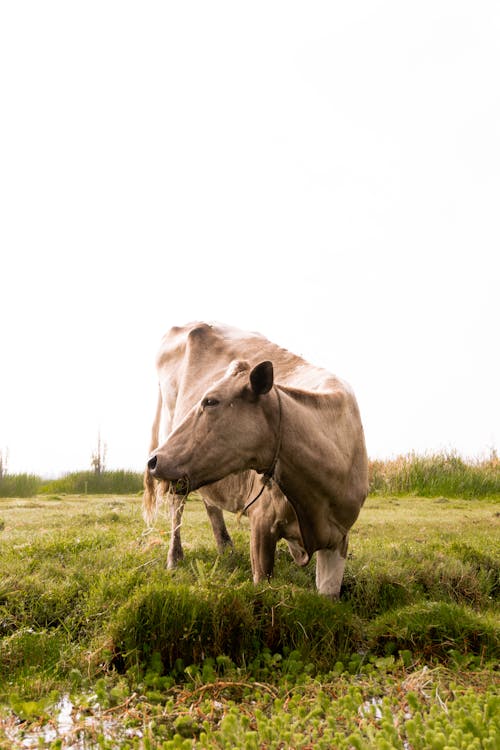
(172, 347)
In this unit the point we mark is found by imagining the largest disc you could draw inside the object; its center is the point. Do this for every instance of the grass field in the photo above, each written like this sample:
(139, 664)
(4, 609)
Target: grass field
(102, 647)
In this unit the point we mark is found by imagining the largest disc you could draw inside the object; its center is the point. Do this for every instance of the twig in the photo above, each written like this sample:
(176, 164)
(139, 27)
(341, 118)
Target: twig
(122, 705)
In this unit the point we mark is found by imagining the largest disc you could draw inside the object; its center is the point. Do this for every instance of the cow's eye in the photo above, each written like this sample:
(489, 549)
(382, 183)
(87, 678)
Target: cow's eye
(210, 402)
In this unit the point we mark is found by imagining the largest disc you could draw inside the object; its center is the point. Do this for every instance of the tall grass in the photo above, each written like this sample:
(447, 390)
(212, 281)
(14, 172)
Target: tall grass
(19, 485)
(83, 482)
(436, 474)
(77, 483)
(446, 474)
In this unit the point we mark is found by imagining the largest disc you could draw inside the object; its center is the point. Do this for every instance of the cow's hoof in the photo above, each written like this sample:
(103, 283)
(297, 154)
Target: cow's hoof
(173, 561)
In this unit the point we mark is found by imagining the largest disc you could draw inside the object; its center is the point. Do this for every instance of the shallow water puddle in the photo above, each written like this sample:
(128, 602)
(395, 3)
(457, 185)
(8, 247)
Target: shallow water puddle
(72, 728)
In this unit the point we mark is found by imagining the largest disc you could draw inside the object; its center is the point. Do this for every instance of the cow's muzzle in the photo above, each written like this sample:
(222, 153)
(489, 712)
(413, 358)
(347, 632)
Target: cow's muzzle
(180, 485)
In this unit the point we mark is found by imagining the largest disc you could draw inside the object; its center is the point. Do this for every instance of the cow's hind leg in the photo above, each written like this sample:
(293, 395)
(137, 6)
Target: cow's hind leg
(221, 534)
(330, 566)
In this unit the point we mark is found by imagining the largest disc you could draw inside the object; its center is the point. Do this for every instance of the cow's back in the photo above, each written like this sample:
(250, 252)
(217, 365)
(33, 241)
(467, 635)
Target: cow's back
(192, 357)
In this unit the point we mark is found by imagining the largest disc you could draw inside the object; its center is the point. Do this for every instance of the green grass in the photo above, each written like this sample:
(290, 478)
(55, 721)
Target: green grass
(199, 657)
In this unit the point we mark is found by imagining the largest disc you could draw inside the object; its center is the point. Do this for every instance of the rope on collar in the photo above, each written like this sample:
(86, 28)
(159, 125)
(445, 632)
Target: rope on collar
(267, 476)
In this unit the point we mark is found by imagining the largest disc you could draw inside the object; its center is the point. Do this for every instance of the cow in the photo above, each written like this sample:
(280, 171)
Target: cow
(234, 406)
(186, 367)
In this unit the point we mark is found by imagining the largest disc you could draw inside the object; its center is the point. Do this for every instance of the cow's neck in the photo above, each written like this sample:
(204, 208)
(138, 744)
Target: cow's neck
(312, 467)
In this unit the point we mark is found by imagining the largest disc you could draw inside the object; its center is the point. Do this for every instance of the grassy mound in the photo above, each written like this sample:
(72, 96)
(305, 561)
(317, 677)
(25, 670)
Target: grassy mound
(436, 630)
(190, 624)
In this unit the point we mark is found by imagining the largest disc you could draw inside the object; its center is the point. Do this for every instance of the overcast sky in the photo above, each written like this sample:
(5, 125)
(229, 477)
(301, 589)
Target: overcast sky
(326, 173)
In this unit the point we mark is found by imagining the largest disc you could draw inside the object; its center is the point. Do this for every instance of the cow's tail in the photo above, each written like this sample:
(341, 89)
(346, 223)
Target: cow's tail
(153, 489)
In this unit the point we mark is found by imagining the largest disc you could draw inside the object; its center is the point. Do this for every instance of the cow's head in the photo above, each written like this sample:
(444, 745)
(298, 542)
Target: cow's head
(234, 427)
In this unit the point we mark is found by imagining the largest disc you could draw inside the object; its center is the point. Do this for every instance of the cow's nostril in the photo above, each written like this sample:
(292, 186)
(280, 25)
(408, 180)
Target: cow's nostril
(152, 463)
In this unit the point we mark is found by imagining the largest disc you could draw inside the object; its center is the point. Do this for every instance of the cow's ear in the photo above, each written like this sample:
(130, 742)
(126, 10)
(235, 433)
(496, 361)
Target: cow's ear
(261, 378)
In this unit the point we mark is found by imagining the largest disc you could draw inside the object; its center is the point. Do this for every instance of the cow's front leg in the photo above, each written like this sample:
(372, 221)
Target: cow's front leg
(263, 540)
(221, 534)
(330, 566)
(175, 551)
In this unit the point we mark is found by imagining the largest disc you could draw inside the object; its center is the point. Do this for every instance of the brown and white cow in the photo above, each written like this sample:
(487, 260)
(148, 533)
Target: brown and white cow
(234, 406)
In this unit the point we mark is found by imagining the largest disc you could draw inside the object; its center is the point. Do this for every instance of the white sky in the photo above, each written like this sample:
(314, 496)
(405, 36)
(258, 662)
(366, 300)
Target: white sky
(327, 173)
